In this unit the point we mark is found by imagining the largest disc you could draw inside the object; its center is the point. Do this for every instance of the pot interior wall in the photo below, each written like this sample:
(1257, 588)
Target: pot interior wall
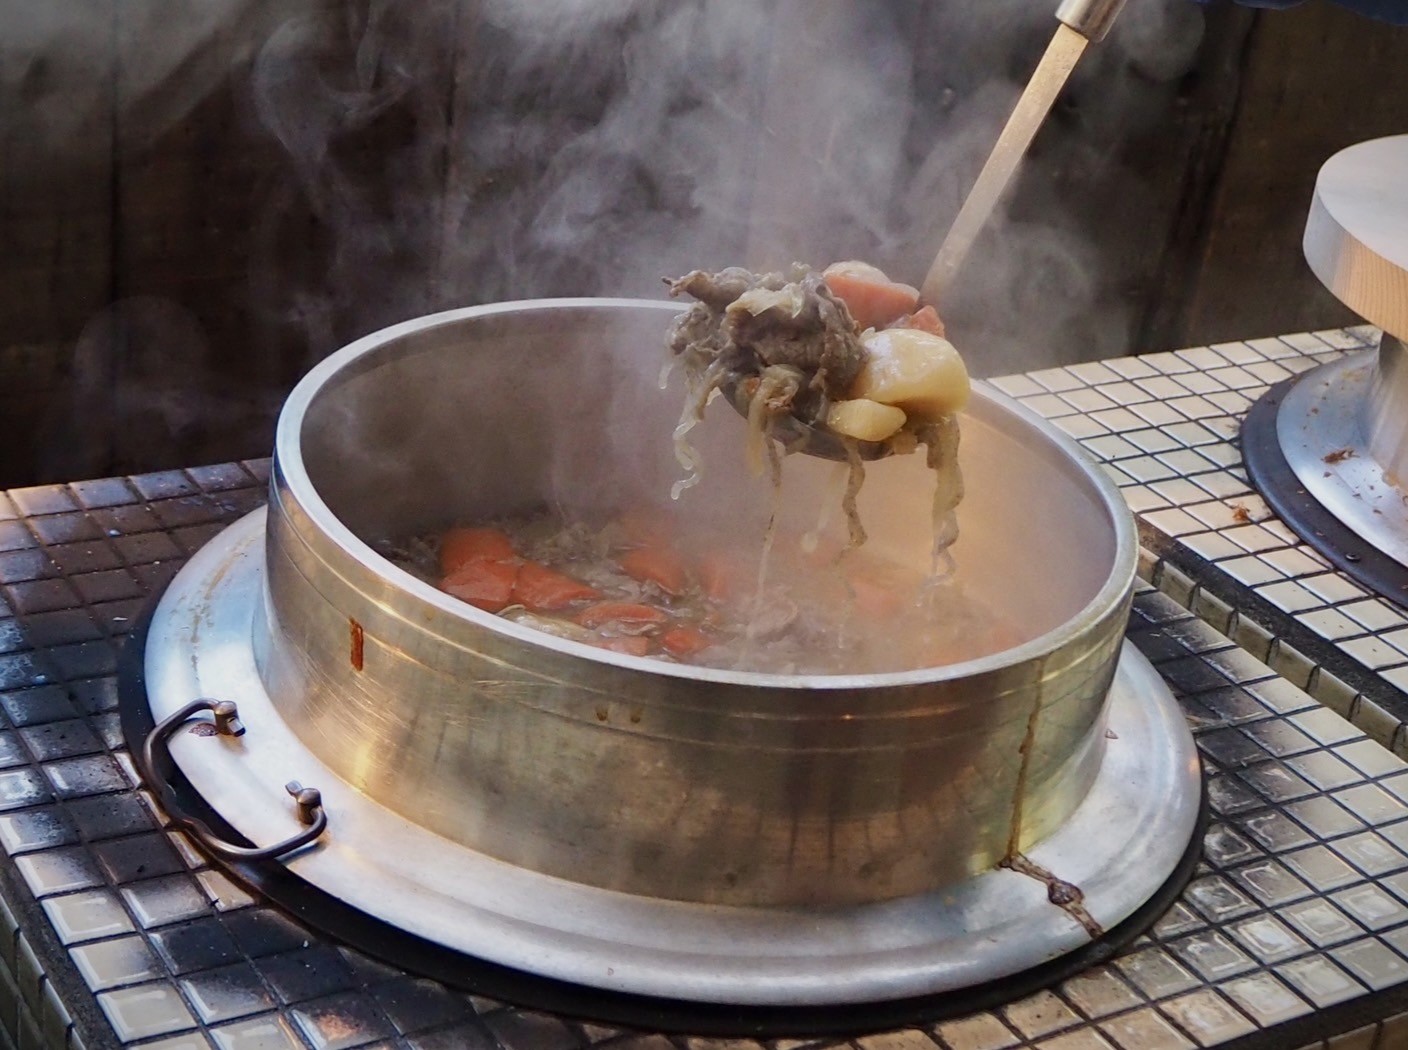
(564, 409)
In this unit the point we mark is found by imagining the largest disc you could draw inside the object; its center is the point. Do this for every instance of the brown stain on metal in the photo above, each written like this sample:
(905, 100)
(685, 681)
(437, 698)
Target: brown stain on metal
(1019, 795)
(359, 644)
(202, 729)
(1065, 895)
(602, 714)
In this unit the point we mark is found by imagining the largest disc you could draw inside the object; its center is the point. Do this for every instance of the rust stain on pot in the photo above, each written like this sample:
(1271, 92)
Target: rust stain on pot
(602, 713)
(359, 642)
(1065, 895)
(203, 729)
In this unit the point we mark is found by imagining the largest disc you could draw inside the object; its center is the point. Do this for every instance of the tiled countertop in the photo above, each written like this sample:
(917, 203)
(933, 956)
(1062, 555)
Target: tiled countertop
(1294, 930)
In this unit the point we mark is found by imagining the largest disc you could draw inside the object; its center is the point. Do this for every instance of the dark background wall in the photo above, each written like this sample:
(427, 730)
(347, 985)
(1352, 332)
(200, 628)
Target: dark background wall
(197, 202)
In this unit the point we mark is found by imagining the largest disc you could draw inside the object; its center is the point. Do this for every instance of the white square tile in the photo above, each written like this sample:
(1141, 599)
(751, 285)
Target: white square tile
(1375, 615)
(1079, 427)
(1202, 357)
(1158, 413)
(1056, 379)
(1168, 362)
(1129, 367)
(1093, 373)
(1249, 570)
(1334, 588)
(1201, 383)
(1018, 386)
(1237, 353)
(1125, 393)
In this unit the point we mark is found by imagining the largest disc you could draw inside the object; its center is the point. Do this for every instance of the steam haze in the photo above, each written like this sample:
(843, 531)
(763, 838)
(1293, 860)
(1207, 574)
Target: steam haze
(417, 157)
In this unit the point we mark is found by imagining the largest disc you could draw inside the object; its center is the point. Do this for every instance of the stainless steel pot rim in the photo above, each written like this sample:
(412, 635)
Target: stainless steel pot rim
(1119, 847)
(288, 463)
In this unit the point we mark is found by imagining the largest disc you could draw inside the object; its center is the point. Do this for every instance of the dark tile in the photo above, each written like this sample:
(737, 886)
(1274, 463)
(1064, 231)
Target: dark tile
(195, 537)
(59, 529)
(113, 585)
(137, 857)
(14, 536)
(33, 706)
(104, 492)
(306, 974)
(95, 694)
(12, 752)
(13, 638)
(87, 556)
(7, 509)
(60, 628)
(19, 671)
(163, 485)
(1233, 704)
(108, 726)
(472, 1036)
(126, 521)
(41, 596)
(220, 477)
(92, 775)
(259, 469)
(340, 1021)
(31, 829)
(199, 945)
(43, 499)
(146, 547)
(367, 970)
(108, 816)
(415, 1005)
(85, 660)
(239, 503)
(60, 739)
(521, 1028)
(190, 510)
(1231, 748)
(227, 993)
(26, 565)
(22, 787)
(1159, 645)
(1192, 675)
(1227, 797)
(262, 931)
(156, 576)
(117, 618)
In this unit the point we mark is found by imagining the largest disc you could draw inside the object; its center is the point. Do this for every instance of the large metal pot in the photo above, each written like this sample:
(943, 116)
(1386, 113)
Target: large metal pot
(655, 779)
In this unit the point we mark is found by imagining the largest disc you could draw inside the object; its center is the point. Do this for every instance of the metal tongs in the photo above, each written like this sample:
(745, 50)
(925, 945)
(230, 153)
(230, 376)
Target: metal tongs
(1082, 23)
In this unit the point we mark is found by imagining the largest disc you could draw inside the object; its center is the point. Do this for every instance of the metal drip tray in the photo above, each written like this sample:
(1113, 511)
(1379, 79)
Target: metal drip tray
(1119, 846)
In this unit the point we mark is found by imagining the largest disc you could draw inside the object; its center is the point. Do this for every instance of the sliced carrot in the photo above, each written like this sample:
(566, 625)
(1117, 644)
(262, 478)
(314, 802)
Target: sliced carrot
(461, 545)
(683, 640)
(925, 319)
(881, 591)
(657, 565)
(647, 527)
(486, 583)
(721, 575)
(631, 645)
(626, 614)
(540, 589)
(872, 298)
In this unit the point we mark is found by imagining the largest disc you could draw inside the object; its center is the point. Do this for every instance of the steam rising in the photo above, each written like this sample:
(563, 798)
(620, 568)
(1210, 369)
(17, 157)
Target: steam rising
(451, 152)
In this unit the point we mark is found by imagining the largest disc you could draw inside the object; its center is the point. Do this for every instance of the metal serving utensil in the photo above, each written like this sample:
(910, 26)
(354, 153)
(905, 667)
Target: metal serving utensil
(1082, 22)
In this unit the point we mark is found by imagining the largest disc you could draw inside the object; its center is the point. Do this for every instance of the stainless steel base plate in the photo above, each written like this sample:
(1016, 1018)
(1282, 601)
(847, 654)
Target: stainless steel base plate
(1321, 433)
(1121, 845)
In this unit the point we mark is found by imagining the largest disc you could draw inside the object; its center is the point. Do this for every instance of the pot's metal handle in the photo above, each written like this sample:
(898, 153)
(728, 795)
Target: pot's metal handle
(227, 723)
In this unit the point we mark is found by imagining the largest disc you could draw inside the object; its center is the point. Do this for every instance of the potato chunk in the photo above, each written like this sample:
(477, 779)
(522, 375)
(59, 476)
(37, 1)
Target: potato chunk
(865, 420)
(917, 371)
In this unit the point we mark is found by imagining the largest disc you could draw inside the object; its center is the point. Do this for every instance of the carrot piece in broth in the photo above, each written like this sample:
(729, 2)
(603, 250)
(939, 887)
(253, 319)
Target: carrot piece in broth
(658, 565)
(684, 641)
(485, 583)
(926, 320)
(872, 298)
(462, 545)
(540, 589)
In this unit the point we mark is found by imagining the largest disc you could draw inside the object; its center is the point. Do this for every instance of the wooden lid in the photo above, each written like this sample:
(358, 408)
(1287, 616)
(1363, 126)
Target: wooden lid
(1356, 238)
